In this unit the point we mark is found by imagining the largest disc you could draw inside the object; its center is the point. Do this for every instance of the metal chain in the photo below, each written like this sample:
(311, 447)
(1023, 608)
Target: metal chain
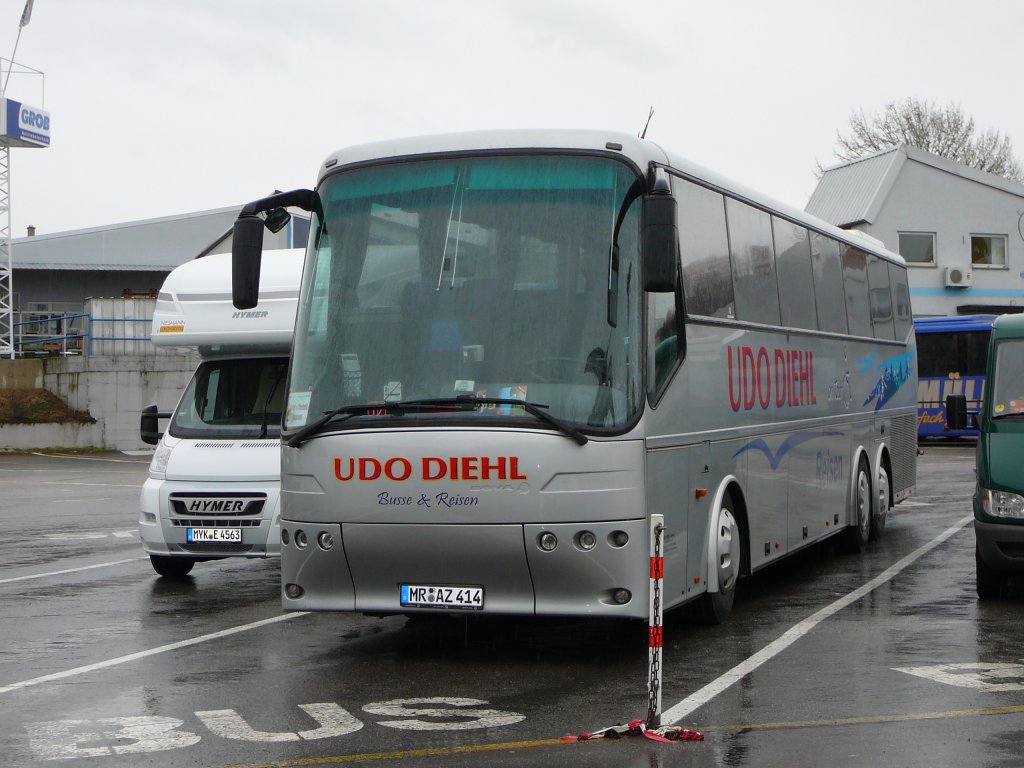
(655, 666)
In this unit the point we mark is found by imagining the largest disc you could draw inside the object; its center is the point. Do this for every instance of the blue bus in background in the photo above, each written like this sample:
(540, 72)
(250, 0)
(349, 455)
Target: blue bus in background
(951, 353)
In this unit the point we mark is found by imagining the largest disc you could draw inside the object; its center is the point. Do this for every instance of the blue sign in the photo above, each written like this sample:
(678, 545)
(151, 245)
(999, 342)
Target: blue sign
(22, 125)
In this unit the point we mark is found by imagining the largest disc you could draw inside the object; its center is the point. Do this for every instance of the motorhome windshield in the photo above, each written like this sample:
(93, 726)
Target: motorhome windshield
(1008, 379)
(233, 398)
(476, 278)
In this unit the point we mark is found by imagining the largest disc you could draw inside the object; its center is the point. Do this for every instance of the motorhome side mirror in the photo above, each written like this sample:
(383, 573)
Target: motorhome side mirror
(246, 252)
(956, 412)
(149, 425)
(660, 244)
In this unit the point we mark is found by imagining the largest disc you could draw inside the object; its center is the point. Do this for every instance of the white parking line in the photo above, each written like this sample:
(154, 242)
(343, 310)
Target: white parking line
(151, 652)
(698, 699)
(69, 570)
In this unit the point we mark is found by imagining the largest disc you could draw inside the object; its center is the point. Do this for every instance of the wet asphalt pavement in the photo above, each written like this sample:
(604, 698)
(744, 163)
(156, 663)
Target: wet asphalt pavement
(884, 658)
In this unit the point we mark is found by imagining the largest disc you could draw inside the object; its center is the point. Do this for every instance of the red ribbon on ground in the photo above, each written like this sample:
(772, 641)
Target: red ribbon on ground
(665, 734)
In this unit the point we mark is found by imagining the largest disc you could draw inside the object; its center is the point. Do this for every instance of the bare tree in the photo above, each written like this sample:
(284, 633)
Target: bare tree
(944, 131)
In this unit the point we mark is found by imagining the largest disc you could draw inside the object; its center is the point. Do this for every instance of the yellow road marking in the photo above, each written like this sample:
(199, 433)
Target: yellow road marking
(737, 728)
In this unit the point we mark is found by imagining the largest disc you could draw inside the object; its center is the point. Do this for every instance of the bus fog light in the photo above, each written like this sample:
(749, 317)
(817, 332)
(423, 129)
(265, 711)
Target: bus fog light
(325, 540)
(622, 596)
(586, 540)
(293, 591)
(547, 541)
(285, 536)
(300, 539)
(618, 539)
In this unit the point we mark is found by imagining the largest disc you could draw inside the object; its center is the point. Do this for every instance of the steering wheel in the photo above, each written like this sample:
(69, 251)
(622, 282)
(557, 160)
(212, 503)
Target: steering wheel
(556, 370)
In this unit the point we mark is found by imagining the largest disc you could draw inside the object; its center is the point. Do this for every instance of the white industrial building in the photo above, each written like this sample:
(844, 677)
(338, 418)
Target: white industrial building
(960, 230)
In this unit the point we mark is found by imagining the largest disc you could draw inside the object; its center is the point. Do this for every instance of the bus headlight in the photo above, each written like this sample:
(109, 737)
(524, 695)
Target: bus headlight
(586, 540)
(547, 541)
(1002, 504)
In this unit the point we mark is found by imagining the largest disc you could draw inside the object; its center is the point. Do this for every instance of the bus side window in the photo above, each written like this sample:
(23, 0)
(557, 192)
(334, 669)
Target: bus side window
(753, 263)
(664, 347)
(704, 251)
(855, 281)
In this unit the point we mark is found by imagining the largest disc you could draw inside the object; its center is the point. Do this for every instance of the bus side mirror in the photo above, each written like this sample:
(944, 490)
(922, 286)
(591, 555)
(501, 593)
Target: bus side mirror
(149, 424)
(956, 412)
(246, 254)
(660, 244)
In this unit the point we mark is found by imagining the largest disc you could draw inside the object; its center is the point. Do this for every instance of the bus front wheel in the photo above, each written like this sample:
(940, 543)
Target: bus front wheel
(728, 562)
(857, 535)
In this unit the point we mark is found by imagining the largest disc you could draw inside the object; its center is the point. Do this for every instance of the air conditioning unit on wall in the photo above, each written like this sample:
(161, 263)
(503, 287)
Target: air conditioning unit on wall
(958, 277)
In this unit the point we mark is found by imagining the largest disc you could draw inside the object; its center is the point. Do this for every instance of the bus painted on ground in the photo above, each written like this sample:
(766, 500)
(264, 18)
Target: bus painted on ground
(513, 348)
(952, 353)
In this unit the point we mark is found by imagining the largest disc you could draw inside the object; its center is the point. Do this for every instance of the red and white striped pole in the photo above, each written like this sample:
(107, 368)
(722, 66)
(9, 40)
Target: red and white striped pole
(655, 631)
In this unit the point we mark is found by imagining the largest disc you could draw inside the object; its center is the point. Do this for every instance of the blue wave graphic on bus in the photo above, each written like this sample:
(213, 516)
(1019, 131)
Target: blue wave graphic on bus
(775, 457)
(894, 371)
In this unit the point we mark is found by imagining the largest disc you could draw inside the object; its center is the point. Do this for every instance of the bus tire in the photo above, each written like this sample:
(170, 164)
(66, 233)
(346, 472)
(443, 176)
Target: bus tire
(990, 583)
(172, 567)
(856, 536)
(882, 499)
(728, 543)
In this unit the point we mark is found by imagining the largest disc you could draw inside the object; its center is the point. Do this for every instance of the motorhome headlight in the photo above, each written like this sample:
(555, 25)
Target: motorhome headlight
(1002, 503)
(301, 540)
(547, 541)
(158, 466)
(325, 540)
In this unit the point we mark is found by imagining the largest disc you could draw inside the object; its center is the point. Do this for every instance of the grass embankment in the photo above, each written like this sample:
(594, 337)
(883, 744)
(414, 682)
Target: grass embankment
(38, 406)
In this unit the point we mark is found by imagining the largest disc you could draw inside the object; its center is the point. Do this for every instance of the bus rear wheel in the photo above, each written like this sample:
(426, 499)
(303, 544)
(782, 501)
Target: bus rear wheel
(172, 567)
(728, 562)
(882, 495)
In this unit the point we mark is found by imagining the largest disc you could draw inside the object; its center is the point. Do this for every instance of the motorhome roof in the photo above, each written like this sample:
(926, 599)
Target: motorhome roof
(194, 306)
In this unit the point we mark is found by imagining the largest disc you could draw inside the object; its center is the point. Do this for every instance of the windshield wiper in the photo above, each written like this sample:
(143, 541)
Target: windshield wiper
(467, 402)
(473, 402)
(389, 407)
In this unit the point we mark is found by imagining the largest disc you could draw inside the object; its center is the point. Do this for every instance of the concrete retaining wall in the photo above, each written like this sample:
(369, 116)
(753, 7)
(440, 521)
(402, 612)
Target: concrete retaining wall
(114, 390)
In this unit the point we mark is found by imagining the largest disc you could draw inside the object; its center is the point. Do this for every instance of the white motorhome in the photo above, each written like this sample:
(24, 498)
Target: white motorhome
(214, 480)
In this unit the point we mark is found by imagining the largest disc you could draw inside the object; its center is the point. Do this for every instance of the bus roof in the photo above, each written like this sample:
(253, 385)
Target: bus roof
(953, 323)
(640, 152)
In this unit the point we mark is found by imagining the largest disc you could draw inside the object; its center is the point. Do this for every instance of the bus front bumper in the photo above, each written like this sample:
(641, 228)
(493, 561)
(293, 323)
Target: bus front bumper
(365, 566)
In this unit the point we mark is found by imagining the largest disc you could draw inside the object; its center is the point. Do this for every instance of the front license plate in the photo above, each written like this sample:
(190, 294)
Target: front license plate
(434, 596)
(214, 535)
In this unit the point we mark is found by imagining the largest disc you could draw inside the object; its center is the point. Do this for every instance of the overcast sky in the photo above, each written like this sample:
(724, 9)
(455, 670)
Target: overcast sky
(160, 108)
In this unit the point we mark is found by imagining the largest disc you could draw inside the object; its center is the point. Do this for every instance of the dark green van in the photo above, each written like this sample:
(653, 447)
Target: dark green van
(999, 496)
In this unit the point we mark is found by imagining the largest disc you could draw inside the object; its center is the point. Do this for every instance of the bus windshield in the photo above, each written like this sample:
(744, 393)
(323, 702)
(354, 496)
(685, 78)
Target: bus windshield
(233, 399)
(477, 278)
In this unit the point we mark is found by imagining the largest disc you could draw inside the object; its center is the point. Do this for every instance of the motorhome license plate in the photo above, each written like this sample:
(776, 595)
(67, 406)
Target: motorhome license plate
(436, 596)
(214, 535)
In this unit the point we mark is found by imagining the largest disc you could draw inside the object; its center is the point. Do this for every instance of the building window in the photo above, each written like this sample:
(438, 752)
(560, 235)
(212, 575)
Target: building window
(988, 250)
(918, 247)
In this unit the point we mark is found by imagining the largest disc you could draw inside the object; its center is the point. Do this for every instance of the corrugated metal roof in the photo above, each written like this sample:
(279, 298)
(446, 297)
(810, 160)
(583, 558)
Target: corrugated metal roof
(149, 245)
(853, 193)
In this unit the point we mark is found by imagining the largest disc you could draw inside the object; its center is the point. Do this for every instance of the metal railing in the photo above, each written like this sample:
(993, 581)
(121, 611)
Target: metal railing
(70, 334)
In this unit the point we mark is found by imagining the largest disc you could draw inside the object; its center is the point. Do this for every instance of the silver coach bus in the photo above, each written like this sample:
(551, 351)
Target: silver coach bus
(513, 348)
